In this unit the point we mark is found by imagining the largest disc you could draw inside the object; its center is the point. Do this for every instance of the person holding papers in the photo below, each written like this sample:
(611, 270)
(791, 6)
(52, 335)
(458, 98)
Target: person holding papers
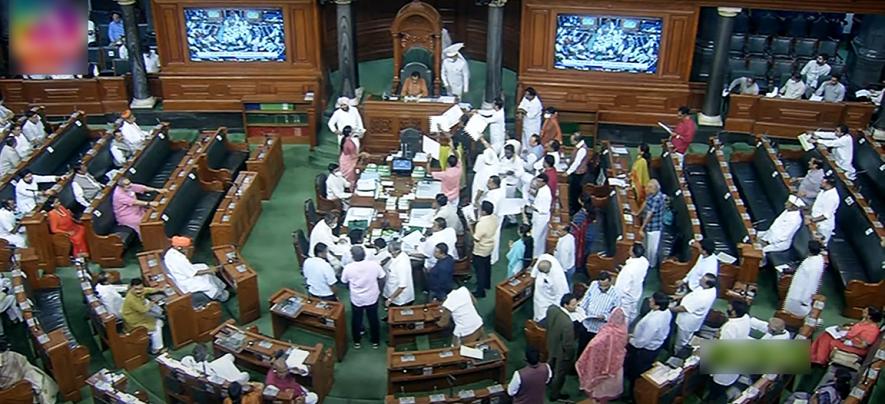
(682, 136)
(510, 168)
(648, 336)
(495, 119)
(735, 329)
(345, 116)
(459, 307)
(562, 349)
(598, 302)
(486, 166)
(414, 87)
(745, 85)
(630, 279)
(779, 235)
(530, 110)
(485, 232)
(337, 186)
(451, 179)
(794, 88)
(190, 277)
(823, 212)
(805, 282)
(540, 209)
(448, 211)
(693, 309)
(707, 263)
(842, 148)
(852, 338)
(831, 90)
(280, 376)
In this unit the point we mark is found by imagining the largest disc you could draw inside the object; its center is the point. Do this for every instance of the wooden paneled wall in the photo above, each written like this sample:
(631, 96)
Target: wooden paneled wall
(465, 21)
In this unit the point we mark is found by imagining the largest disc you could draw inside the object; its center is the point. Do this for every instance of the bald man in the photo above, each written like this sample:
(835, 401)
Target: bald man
(653, 213)
(774, 329)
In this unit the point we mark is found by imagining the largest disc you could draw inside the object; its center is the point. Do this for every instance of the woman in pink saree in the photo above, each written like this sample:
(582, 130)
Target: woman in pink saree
(349, 156)
(601, 366)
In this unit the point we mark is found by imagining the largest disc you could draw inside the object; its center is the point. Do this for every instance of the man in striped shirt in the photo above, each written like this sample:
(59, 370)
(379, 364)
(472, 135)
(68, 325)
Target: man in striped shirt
(599, 301)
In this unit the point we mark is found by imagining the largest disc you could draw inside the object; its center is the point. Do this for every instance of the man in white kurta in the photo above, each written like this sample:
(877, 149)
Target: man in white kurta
(565, 252)
(510, 168)
(779, 235)
(842, 149)
(630, 281)
(132, 133)
(193, 278)
(455, 71)
(399, 288)
(346, 115)
(813, 71)
(440, 234)
(28, 193)
(9, 229)
(735, 329)
(109, 295)
(485, 167)
(22, 145)
(540, 214)
(337, 185)
(550, 285)
(693, 309)
(34, 129)
(805, 282)
(9, 157)
(823, 212)
(530, 108)
(707, 263)
(322, 233)
(495, 119)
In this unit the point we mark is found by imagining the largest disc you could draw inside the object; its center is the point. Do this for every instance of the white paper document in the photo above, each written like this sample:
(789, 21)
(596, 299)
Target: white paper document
(836, 332)
(725, 258)
(666, 128)
(431, 147)
(619, 150)
(816, 98)
(510, 206)
(412, 241)
(805, 141)
(469, 352)
(476, 126)
(617, 182)
(469, 213)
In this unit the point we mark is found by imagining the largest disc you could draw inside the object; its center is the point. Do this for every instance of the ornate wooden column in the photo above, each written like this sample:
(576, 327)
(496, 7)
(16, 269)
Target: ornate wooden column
(711, 112)
(346, 52)
(493, 51)
(141, 95)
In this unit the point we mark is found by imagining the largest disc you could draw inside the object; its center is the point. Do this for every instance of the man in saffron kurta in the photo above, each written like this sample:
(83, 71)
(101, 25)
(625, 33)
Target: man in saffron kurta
(128, 210)
(61, 220)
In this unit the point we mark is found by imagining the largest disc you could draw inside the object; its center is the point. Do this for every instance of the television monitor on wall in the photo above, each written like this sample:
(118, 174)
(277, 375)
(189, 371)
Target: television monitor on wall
(235, 34)
(607, 43)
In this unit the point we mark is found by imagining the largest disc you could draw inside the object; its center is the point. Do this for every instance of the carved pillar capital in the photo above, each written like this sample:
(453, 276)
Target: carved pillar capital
(728, 11)
(126, 2)
(497, 3)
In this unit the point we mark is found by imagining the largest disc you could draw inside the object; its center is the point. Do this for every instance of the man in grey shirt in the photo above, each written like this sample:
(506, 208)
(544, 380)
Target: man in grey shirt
(832, 90)
(809, 185)
(747, 86)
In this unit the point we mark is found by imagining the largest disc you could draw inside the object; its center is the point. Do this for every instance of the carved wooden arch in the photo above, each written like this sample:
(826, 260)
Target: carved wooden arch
(417, 24)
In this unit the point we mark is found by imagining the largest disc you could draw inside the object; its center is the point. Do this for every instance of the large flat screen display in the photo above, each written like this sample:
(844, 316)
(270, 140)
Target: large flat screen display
(607, 43)
(235, 34)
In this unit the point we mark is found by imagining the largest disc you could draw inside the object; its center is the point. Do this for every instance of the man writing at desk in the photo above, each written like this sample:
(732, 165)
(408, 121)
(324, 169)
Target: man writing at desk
(414, 87)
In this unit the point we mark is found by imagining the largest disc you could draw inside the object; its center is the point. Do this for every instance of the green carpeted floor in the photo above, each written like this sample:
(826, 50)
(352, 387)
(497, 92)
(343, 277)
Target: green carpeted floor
(361, 377)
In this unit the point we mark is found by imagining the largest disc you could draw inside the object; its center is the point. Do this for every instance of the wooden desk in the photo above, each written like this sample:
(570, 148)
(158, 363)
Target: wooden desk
(510, 294)
(186, 323)
(323, 317)
(433, 369)
(257, 352)
(238, 211)
(385, 119)
(408, 322)
(493, 394)
(110, 387)
(267, 161)
(647, 391)
(100, 95)
(780, 117)
(237, 273)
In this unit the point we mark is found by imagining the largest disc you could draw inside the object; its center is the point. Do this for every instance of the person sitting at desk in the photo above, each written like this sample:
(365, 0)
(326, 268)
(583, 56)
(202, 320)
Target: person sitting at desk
(138, 311)
(345, 116)
(85, 186)
(280, 376)
(399, 288)
(61, 221)
(448, 211)
(813, 71)
(707, 263)
(109, 294)
(794, 88)
(14, 368)
(319, 275)
(451, 179)
(809, 185)
(27, 190)
(459, 307)
(831, 90)
(132, 133)
(414, 87)
(9, 157)
(550, 285)
(735, 329)
(190, 277)
(253, 395)
(128, 210)
(22, 145)
(745, 85)
(439, 233)
(683, 133)
(10, 229)
(779, 235)
(121, 151)
(201, 362)
(34, 128)
(337, 186)
(854, 338)
(323, 232)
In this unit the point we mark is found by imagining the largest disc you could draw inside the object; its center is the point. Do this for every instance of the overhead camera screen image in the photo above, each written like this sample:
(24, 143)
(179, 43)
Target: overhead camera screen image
(607, 43)
(235, 34)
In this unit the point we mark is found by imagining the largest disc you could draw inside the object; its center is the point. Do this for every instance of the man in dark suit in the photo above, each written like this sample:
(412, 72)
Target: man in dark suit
(562, 345)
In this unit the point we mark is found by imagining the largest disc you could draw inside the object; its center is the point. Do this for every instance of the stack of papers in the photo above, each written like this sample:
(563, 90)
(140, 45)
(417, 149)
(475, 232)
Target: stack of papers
(296, 359)
(476, 126)
(428, 189)
(421, 217)
(359, 214)
(469, 352)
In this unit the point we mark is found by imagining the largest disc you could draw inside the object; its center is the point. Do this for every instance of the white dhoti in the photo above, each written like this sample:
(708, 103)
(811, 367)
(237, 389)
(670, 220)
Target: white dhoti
(539, 232)
(652, 246)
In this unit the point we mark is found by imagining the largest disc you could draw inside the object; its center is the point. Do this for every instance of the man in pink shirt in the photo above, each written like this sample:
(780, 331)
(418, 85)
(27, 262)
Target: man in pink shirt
(684, 132)
(451, 179)
(280, 376)
(128, 210)
(362, 276)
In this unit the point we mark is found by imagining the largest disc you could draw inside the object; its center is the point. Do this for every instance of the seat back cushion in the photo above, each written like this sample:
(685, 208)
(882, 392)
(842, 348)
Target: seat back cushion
(612, 224)
(103, 221)
(65, 148)
(728, 211)
(868, 160)
(66, 196)
(682, 230)
(216, 153)
(179, 209)
(861, 235)
(152, 158)
(102, 162)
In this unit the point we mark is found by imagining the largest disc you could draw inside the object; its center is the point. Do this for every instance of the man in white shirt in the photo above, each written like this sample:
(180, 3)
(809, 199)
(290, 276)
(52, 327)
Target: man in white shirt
(550, 285)
(194, 278)
(693, 309)
(345, 115)
(735, 329)
(540, 208)
(10, 229)
(34, 128)
(132, 133)
(779, 235)
(399, 288)
(528, 384)
(823, 212)
(319, 275)
(707, 263)
(495, 119)
(842, 149)
(323, 233)
(773, 329)
(485, 167)
(9, 157)
(151, 62)
(813, 71)
(530, 109)
(565, 252)
(121, 151)
(805, 282)
(746, 85)
(28, 193)
(794, 88)
(648, 336)
(831, 90)
(109, 295)
(23, 146)
(455, 72)
(6, 114)
(337, 186)
(511, 168)
(459, 308)
(449, 212)
(630, 280)
(440, 233)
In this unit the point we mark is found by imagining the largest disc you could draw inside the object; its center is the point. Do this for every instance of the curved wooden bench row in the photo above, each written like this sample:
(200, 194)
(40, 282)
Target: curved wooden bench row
(671, 268)
(221, 160)
(267, 161)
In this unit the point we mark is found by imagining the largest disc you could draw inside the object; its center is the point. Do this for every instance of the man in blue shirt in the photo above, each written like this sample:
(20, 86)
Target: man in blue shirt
(653, 214)
(441, 276)
(115, 28)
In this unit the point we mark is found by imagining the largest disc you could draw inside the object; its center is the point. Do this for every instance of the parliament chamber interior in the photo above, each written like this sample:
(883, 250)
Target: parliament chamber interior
(442, 201)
